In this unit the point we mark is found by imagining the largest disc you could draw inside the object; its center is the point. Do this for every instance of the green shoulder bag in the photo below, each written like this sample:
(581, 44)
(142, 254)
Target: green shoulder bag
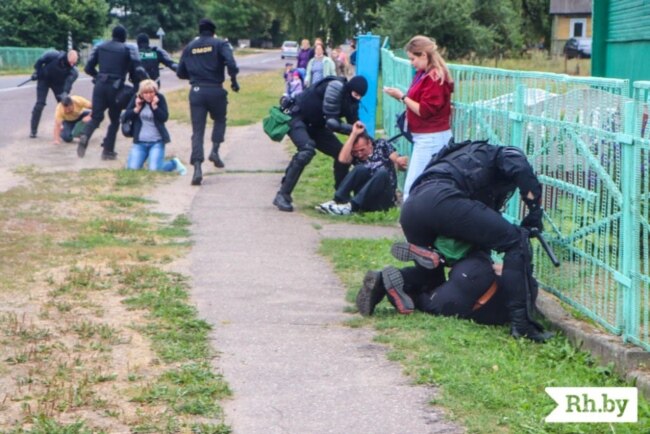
(276, 124)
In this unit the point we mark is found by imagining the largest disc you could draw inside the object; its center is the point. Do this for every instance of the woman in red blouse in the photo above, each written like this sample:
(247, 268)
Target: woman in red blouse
(428, 105)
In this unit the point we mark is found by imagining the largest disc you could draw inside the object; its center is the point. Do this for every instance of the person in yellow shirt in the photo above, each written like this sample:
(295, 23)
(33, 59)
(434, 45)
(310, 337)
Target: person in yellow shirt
(69, 113)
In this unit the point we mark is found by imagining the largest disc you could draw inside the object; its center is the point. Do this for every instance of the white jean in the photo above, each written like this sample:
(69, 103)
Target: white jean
(424, 146)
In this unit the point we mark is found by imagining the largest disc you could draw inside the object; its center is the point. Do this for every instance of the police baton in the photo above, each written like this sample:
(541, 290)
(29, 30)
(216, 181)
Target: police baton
(535, 232)
(25, 82)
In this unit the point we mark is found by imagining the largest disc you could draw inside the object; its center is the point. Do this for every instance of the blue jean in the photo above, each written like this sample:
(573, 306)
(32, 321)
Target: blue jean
(154, 152)
(424, 146)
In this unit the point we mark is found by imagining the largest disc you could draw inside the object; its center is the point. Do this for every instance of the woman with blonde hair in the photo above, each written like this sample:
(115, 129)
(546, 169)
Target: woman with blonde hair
(428, 104)
(148, 112)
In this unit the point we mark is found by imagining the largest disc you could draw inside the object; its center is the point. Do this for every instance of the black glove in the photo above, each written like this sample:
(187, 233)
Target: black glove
(534, 219)
(34, 76)
(234, 85)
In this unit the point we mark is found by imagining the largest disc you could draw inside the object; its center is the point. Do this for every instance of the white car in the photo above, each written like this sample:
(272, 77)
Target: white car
(289, 49)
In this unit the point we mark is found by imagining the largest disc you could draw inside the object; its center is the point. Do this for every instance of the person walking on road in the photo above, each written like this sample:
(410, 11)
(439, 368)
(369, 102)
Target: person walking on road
(152, 57)
(56, 71)
(115, 59)
(202, 63)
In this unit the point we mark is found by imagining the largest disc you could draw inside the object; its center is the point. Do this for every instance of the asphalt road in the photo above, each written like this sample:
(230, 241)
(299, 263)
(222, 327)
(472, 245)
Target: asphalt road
(16, 103)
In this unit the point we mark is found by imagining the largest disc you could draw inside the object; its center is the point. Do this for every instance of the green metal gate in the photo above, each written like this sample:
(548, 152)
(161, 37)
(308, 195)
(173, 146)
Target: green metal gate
(583, 137)
(19, 58)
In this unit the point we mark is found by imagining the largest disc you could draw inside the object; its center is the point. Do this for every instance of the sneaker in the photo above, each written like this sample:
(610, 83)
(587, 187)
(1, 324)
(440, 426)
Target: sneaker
(83, 143)
(182, 170)
(410, 252)
(32, 135)
(340, 209)
(394, 284)
(324, 207)
(371, 293)
(109, 155)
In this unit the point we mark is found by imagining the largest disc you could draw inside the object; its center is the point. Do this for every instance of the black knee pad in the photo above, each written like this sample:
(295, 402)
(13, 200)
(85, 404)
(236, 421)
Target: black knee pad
(304, 156)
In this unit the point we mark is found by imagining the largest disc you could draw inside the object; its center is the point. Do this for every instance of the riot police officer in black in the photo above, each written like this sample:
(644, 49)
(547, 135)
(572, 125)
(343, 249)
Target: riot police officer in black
(54, 70)
(115, 60)
(202, 63)
(459, 195)
(315, 117)
(152, 57)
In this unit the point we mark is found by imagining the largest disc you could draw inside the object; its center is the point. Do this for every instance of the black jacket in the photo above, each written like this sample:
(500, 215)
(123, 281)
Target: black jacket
(327, 102)
(204, 59)
(152, 57)
(160, 116)
(483, 172)
(53, 67)
(115, 60)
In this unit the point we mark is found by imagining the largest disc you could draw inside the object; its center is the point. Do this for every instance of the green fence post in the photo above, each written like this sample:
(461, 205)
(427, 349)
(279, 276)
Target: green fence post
(517, 136)
(629, 234)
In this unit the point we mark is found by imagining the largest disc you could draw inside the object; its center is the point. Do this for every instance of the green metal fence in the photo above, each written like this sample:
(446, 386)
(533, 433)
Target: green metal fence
(587, 140)
(19, 58)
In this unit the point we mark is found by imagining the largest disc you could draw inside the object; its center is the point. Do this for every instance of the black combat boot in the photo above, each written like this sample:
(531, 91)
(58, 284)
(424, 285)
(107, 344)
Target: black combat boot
(283, 202)
(36, 118)
(371, 293)
(83, 144)
(214, 156)
(521, 326)
(197, 178)
(291, 176)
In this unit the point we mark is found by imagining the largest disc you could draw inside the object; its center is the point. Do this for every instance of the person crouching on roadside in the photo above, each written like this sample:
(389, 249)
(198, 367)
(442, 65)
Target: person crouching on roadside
(148, 112)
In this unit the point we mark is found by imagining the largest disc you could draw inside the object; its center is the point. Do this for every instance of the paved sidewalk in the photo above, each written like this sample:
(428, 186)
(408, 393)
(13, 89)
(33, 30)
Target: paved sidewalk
(277, 308)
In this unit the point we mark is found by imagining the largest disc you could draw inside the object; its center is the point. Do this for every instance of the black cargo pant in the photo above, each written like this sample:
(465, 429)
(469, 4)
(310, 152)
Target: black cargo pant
(309, 138)
(439, 209)
(461, 295)
(204, 100)
(42, 89)
(104, 97)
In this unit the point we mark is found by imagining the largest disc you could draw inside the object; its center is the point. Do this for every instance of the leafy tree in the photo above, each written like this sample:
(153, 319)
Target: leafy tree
(461, 28)
(46, 23)
(449, 22)
(240, 19)
(178, 18)
(329, 19)
(536, 21)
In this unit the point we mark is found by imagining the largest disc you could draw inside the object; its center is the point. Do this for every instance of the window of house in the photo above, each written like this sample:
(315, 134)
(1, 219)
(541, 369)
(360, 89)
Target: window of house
(578, 28)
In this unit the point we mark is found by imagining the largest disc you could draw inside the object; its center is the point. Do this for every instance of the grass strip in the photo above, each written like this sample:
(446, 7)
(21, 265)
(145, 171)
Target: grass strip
(107, 332)
(248, 106)
(488, 381)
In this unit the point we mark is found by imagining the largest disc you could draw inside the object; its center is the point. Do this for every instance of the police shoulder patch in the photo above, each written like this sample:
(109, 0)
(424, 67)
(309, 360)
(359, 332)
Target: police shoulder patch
(202, 50)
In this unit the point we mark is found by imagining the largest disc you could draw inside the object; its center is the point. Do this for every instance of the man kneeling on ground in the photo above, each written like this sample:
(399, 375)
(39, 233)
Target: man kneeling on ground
(71, 115)
(372, 180)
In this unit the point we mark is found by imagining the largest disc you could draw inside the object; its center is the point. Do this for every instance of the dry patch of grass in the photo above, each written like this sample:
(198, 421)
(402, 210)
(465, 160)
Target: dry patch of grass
(95, 335)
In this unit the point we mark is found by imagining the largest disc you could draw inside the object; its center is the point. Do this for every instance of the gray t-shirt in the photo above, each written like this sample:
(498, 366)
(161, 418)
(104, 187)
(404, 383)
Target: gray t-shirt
(148, 132)
(316, 71)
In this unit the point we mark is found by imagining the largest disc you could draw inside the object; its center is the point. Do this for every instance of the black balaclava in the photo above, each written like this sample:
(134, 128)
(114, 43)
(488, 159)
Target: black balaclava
(143, 40)
(207, 27)
(119, 33)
